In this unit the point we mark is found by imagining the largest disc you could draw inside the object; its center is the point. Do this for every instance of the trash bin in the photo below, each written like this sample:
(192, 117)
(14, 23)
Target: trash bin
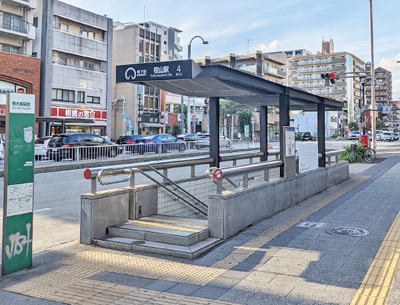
(365, 140)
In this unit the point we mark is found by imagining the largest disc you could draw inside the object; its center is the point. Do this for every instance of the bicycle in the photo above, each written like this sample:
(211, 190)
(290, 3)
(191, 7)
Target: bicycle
(368, 154)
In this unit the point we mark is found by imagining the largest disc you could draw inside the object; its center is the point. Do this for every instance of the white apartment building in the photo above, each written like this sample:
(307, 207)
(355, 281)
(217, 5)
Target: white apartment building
(17, 30)
(305, 73)
(145, 107)
(75, 47)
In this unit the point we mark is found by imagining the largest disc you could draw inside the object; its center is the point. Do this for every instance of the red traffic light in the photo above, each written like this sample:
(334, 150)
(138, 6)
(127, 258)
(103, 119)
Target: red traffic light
(332, 75)
(394, 102)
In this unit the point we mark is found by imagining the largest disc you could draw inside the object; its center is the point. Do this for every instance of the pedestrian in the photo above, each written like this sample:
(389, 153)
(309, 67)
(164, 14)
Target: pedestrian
(106, 137)
(239, 135)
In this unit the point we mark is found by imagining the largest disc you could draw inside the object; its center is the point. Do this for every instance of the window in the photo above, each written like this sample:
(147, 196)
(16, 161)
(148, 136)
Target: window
(35, 22)
(141, 46)
(93, 99)
(63, 26)
(10, 49)
(63, 60)
(81, 97)
(147, 48)
(88, 65)
(152, 49)
(141, 32)
(84, 33)
(153, 36)
(63, 95)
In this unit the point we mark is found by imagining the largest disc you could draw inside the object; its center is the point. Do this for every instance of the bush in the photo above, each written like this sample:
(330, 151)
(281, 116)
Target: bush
(298, 136)
(348, 148)
(334, 136)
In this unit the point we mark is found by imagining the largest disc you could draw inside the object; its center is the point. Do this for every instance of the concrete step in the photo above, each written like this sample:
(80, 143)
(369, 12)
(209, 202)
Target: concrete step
(163, 229)
(131, 244)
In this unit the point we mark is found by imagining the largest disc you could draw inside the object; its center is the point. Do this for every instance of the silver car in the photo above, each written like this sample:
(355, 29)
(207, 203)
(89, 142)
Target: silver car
(204, 142)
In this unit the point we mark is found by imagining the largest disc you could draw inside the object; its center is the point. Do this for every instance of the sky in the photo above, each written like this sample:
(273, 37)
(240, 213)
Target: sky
(240, 27)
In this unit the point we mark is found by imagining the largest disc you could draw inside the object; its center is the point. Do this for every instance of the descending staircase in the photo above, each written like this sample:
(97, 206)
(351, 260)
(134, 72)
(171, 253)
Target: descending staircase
(175, 236)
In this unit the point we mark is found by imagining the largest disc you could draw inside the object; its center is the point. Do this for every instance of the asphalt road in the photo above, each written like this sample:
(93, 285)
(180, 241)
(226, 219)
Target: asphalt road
(57, 197)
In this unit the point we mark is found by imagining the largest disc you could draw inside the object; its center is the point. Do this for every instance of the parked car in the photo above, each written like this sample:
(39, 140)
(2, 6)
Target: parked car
(355, 135)
(308, 136)
(204, 142)
(379, 135)
(160, 143)
(191, 137)
(90, 145)
(41, 147)
(387, 136)
(129, 141)
(395, 136)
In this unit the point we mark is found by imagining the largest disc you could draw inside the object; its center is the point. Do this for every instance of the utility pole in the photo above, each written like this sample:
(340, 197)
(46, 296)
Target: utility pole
(248, 45)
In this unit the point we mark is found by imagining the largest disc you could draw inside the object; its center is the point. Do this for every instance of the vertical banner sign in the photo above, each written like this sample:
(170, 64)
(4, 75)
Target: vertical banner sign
(18, 183)
(246, 131)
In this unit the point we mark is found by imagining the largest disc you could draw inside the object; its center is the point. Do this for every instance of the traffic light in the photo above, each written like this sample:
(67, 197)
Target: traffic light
(328, 77)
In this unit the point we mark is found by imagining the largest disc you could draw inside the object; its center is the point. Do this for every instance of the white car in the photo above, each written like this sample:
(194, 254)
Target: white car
(41, 146)
(387, 136)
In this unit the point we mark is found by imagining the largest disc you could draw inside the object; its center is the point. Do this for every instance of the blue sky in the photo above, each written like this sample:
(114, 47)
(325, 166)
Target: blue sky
(270, 25)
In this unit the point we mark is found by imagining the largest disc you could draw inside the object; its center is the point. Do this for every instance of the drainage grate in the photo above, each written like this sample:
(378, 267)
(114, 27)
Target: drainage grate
(348, 231)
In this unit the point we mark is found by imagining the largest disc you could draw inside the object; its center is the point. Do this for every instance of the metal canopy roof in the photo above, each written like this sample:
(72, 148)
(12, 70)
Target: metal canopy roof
(242, 87)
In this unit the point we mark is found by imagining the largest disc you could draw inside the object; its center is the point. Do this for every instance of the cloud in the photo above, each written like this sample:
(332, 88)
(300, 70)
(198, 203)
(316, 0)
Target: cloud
(273, 46)
(396, 89)
(390, 64)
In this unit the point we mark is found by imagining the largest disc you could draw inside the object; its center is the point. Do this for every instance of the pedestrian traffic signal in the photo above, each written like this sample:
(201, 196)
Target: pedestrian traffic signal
(329, 77)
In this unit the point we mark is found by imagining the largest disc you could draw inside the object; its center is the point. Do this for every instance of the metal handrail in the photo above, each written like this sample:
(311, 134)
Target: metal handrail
(176, 185)
(120, 169)
(245, 169)
(167, 189)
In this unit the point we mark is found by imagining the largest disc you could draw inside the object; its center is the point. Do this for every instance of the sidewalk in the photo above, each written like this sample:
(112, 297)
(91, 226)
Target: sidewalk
(287, 259)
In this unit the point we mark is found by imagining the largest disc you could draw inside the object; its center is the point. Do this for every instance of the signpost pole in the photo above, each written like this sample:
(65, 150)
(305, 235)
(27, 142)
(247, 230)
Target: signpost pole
(18, 183)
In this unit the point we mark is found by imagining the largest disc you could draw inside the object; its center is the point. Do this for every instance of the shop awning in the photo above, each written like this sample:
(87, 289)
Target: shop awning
(152, 125)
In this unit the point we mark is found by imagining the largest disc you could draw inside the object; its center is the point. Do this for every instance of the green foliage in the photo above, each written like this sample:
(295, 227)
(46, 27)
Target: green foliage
(176, 130)
(349, 149)
(298, 136)
(177, 108)
(353, 126)
(244, 119)
(334, 136)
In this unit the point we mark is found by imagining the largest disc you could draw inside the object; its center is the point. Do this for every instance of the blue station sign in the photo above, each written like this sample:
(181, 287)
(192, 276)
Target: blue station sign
(167, 70)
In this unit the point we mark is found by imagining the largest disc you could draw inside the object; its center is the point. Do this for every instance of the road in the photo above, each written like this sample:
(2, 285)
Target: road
(57, 197)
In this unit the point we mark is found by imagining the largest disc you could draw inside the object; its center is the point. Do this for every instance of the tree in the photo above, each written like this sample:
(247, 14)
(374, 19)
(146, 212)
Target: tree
(244, 119)
(353, 126)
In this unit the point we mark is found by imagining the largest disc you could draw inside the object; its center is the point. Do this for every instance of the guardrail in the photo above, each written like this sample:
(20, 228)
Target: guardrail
(99, 173)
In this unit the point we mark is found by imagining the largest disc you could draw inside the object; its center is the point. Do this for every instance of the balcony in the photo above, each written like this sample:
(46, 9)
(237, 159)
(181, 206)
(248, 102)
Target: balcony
(273, 71)
(21, 3)
(13, 26)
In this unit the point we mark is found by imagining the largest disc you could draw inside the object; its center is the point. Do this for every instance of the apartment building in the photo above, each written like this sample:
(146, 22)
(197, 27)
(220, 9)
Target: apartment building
(305, 73)
(383, 95)
(75, 48)
(270, 66)
(19, 71)
(17, 30)
(145, 109)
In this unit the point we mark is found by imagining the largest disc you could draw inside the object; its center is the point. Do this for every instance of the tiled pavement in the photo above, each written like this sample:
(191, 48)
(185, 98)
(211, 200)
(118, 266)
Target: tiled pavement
(273, 262)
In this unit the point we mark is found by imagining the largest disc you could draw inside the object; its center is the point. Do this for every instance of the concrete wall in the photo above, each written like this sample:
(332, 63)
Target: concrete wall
(233, 211)
(102, 210)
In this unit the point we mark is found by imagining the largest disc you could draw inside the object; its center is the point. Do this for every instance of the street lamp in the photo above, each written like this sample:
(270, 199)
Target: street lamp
(123, 111)
(139, 96)
(190, 45)
(287, 76)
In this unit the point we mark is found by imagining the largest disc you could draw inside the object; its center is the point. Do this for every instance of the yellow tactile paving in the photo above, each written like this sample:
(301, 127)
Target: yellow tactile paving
(138, 265)
(72, 284)
(378, 281)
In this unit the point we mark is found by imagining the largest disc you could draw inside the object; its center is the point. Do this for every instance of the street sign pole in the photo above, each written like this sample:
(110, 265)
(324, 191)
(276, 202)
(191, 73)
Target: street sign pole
(18, 183)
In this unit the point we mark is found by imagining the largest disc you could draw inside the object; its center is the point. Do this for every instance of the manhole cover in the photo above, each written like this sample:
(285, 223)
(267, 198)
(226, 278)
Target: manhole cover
(348, 231)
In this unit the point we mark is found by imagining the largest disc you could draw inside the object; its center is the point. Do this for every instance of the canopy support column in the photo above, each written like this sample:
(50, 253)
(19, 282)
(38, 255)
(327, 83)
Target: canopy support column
(264, 132)
(284, 120)
(214, 130)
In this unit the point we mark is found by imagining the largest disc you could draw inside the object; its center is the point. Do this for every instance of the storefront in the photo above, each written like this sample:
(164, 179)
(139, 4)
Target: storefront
(71, 120)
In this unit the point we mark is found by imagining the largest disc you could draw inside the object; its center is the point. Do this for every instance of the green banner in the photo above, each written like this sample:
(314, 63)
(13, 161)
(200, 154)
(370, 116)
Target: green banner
(18, 245)
(18, 183)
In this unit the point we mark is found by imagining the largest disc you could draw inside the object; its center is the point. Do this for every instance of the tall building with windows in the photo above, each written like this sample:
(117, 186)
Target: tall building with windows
(75, 47)
(144, 108)
(19, 70)
(305, 73)
(17, 30)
